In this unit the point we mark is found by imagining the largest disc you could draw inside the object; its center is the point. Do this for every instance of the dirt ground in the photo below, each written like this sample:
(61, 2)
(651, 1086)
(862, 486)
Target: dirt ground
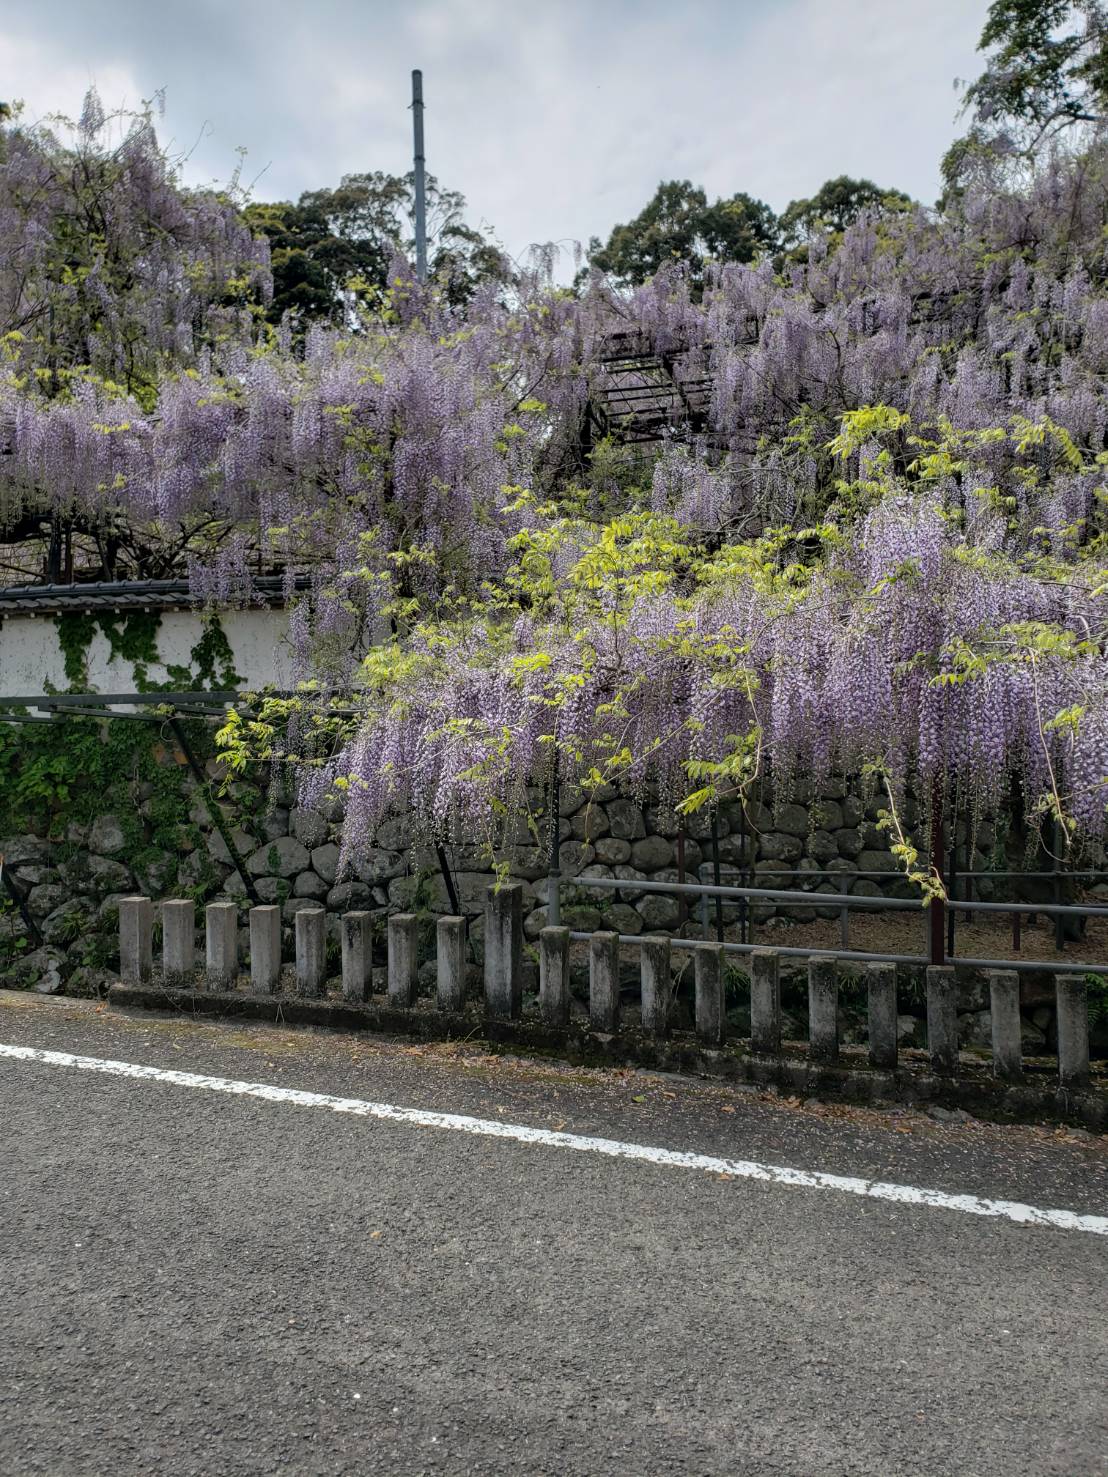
(988, 936)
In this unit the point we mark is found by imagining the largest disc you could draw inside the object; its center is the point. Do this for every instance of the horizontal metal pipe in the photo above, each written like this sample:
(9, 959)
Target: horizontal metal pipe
(706, 889)
(806, 872)
(90, 713)
(828, 899)
(1052, 966)
(688, 945)
(94, 713)
(1092, 910)
(137, 699)
(209, 704)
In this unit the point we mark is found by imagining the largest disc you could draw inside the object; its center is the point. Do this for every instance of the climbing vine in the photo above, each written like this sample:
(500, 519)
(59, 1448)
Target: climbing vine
(133, 639)
(56, 778)
(213, 662)
(73, 770)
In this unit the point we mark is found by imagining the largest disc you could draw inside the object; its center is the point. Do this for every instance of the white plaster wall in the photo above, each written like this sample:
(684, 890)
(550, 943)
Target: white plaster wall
(30, 657)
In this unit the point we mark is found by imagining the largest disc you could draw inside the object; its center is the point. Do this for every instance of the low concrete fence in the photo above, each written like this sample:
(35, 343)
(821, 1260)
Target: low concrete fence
(503, 985)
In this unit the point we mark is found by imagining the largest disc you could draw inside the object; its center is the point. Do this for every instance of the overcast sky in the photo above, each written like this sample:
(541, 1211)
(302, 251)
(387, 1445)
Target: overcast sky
(555, 120)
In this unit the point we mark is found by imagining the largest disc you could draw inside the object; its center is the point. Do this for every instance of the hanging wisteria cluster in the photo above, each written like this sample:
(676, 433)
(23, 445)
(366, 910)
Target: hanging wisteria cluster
(108, 268)
(908, 644)
(875, 539)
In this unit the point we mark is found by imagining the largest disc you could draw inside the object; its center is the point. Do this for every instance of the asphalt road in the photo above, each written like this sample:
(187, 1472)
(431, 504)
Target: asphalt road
(192, 1282)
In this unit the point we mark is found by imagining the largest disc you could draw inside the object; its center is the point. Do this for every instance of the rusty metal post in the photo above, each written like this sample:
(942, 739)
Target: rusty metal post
(937, 906)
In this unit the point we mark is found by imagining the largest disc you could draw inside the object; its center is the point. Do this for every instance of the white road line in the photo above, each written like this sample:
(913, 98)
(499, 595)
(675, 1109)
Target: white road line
(747, 1169)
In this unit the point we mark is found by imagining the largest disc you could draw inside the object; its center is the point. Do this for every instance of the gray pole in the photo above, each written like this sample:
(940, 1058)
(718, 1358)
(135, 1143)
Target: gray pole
(420, 192)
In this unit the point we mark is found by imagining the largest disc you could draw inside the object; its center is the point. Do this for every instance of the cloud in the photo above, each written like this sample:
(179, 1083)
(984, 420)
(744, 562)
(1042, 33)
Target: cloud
(49, 81)
(555, 121)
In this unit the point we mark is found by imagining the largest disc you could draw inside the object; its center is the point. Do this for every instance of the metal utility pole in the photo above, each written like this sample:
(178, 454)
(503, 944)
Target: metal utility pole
(420, 188)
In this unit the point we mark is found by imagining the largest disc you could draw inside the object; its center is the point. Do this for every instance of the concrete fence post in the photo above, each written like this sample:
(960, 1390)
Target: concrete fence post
(221, 929)
(765, 1002)
(711, 1023)
(356, 933)
(178, 940)
(403, 959)
(1072, 997)
(656, 985)
(504, 951)
(604, 982)
(1004, 1009)
(942, 1019)
(554, 976)
(265, 949)
(311, 937)
(136, 940)
(450, 950)
(881, 990)
(823, 1009)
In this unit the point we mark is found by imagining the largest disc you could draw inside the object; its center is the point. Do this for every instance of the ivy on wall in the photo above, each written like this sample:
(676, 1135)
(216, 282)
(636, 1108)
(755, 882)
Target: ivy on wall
(213, 662)
(133, 638)
(75, 769)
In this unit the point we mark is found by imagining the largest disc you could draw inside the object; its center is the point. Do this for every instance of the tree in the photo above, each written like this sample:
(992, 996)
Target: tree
(679, 225)
(113, 280)
(835, 205)
(310, 263)
(108, 266)
(1046, 73)
(335, 242)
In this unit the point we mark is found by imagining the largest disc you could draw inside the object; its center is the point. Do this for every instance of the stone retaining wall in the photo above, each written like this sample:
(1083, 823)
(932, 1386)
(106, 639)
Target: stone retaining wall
(292, 857)
(73, 882)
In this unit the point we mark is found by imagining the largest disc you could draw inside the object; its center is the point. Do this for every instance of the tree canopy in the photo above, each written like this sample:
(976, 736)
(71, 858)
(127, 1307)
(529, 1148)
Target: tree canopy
(836, 204)
(333, 243)
(678, 225)
(1046, 73)
(109, 268)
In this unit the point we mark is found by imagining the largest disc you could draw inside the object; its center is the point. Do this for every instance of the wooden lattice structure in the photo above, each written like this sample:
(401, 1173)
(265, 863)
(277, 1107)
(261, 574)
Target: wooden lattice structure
(639, 395)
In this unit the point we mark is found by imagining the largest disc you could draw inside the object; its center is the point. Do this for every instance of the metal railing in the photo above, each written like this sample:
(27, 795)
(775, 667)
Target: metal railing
(843, 903)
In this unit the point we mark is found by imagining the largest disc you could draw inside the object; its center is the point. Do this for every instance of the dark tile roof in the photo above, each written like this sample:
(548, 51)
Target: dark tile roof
(126, 595)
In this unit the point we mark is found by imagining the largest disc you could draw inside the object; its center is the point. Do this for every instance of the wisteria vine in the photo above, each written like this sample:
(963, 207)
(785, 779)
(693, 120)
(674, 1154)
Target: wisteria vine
(879, 539)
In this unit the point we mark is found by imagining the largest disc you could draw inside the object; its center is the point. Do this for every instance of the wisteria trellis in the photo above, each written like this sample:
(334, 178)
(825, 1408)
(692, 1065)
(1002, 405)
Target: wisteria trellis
(886, 546)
